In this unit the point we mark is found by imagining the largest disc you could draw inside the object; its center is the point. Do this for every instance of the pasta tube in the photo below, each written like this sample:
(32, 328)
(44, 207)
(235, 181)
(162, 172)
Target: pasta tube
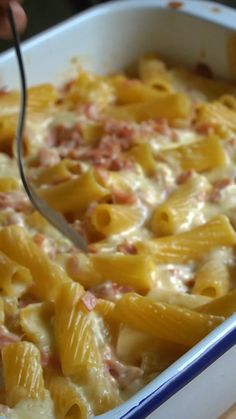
(181, 208)
(164, 321)
(133, 346)
(190, 245)
(222, 306)
(75, 194)
(170, 106)
(69, 399)
(73, 325)
(80, 268)
(60, 172)
(181, 299)
(221, 117)
(142, 154)
(105, 309)
(14, 279)
(134, 270)
(199, 86)
(132, 91)
(212, 279)
(47, 276)
(35, 320)
(111, 219)
(9, 184)
(103, 392)
(89, 88)
(22, 372)
(40, 97)
(41, 100)
(154, 73)
(201, 155)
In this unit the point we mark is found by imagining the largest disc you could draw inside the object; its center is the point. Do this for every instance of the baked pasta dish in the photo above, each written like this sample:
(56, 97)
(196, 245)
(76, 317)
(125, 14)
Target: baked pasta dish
(142, 166)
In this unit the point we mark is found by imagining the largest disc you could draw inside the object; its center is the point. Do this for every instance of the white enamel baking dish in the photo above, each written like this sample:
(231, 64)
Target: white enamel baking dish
(201, 384)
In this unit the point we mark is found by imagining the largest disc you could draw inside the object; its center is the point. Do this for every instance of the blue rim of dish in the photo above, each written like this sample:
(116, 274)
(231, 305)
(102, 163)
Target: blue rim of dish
(178, 381)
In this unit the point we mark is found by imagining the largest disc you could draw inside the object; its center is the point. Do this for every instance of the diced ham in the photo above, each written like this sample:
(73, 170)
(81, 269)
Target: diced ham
(6, 337)
(65, 139)
(108, 153)
(119, 164)
(79, 153)
(157, 126)
(121, 197)
(110, 161)
(39, 238)
(123, 374)
(122, 130)
(89, 301)
(127, 248)
(16, 200)
(67, 86)
(184, 176)
(206, 128)
(203, 70)
(49, 359)
(222, 183)
(218, 186)
(92, 248)
(85, 229)
(232, 142)
(113, 141)
(73, 265)
(110, 290)
(4, 91)
(26, 300)
(90, 110)
(48, 157)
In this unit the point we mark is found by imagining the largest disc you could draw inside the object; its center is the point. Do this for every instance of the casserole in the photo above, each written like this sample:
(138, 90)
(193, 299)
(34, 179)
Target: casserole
(214, 28)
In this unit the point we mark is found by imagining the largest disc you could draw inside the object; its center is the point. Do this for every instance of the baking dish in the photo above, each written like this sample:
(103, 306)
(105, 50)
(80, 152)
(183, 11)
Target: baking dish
(186, 32)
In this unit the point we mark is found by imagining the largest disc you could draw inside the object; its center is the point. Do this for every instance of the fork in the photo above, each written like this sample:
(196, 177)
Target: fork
(53, 217)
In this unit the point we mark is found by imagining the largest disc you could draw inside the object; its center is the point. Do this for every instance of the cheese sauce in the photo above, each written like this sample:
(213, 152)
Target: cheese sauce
(138, 163)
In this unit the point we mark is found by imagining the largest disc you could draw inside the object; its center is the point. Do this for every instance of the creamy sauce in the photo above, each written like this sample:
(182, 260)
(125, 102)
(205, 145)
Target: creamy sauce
(77, 136)
(34, 409)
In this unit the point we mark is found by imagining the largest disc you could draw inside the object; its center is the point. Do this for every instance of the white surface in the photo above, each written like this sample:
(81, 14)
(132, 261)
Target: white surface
(106, 39)
(208, 396)
(111, 36)
(225, 386)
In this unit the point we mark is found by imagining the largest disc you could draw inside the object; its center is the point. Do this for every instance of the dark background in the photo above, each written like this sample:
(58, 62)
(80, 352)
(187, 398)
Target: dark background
(45, 13)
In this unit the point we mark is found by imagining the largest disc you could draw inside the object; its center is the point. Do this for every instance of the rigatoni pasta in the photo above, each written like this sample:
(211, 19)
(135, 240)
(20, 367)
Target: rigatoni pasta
(68, 398)
(170, 106)
(192, 244)
(181, 208)
(22, 372)
(144, 169)
(113, 219)
(205, 154)
(74, 194)
(165, 321)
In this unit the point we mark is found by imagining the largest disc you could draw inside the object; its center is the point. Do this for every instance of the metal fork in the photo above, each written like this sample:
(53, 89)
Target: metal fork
(54, 218)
